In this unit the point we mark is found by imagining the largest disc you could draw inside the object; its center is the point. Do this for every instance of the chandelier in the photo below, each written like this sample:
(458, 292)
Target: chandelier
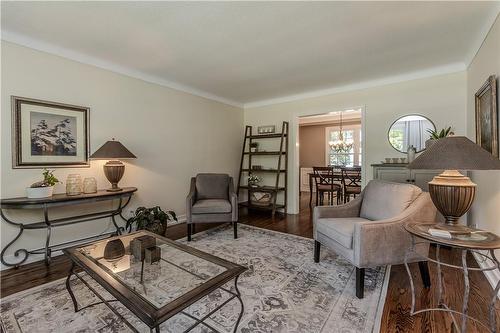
(340, 145)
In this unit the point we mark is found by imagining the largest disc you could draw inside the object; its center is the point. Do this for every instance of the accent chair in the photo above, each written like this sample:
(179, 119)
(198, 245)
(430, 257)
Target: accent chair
(369, 230)
(211, 199)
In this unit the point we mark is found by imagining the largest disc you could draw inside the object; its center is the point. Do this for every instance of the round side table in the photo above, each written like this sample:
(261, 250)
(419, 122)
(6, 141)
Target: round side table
(476, 241)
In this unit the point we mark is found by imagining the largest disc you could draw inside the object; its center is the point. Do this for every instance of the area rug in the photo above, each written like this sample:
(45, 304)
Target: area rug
(283, 291)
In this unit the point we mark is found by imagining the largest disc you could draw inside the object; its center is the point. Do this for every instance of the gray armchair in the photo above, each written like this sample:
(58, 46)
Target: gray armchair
(211, 199)
(369, 231)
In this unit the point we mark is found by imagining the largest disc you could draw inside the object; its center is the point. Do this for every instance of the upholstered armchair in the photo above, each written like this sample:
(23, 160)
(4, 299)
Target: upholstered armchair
(369, 230)
(211, 199)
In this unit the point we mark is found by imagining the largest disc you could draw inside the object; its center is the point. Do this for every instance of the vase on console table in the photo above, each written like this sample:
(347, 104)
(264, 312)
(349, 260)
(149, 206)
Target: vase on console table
(73, 184)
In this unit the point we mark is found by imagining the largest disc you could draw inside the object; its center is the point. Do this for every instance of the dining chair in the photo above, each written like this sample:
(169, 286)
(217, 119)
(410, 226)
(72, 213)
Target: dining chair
(325, 183)
(351, 182)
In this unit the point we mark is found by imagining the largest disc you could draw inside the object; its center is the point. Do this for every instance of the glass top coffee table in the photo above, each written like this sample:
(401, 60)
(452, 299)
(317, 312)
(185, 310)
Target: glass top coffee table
(154, 277)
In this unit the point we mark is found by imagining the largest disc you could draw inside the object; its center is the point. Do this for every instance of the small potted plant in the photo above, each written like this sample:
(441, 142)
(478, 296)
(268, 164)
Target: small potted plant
(152, 219)
(254, 147)
(253, 180)
(436, 135)
(43, 188)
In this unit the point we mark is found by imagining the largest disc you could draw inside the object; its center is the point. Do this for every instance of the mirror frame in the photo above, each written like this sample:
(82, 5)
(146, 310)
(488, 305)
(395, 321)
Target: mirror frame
(406, 115)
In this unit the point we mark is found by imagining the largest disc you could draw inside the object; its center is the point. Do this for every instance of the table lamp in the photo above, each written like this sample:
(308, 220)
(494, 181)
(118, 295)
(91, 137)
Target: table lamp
(114, 169)
(451, 192)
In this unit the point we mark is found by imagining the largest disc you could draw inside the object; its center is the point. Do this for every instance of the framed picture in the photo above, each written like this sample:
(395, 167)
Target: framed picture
(487, 116)
(48, 134)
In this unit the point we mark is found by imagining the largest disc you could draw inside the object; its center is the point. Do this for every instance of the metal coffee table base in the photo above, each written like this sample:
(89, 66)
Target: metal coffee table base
(441, 305)
(198, 321)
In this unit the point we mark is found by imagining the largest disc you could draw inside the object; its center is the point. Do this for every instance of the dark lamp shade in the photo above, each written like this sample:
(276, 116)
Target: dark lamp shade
(112, 150)
(455, 153)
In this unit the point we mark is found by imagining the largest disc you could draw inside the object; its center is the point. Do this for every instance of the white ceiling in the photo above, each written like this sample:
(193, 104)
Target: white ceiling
(257, 52)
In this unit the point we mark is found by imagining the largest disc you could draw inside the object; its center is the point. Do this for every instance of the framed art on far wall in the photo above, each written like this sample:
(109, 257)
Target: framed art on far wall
(487, 116)
(48, 134)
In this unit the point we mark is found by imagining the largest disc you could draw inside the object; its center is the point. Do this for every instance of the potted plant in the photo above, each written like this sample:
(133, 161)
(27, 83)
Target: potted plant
(43, 188)
(152, 219)
(253, 180)
(254, 146)
(436, 135)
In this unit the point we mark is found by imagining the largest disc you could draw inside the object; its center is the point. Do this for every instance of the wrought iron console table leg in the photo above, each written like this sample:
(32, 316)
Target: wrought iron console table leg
(492, 309)
(465, 306)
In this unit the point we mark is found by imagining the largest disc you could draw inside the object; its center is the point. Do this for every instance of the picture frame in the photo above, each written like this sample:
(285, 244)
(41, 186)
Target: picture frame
(487, 116)
(48, 134)
(267, 129)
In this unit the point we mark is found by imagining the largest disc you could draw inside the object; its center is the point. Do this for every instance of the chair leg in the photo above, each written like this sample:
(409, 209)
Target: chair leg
(193, 229)
(424, 273)
(317, 249)
(235, 229)
(317, 197)
(189, 231)
(360, 282)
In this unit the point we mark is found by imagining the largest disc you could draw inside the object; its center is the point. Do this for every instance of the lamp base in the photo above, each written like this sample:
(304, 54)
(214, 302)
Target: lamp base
(452, 193)
(114, 170)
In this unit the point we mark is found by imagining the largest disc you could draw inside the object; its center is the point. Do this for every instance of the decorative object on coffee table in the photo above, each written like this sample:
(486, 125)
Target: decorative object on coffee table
(43, 188)
(89, 185)
(475, 242)
(114, 249)
(453, 193)
(152, 219)
(139, 245)
(74, 184)
(153, 254)
(114, 169)
(487, 116)
(49, 134)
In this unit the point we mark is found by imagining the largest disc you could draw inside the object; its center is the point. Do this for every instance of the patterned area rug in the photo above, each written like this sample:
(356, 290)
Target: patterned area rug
(283, 291)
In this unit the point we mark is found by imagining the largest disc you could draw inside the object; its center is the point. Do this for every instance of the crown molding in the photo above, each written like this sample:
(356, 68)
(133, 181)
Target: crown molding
(436, 71)
(32, 43)
(483, 35)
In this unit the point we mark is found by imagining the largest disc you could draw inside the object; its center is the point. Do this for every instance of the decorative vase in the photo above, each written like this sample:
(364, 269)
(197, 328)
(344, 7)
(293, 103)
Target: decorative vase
(89, 185)
(73, 184)
(39, 192)
(411, 154)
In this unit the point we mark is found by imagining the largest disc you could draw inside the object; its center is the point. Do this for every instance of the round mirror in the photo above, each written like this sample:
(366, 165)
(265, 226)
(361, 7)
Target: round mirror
(410, 130)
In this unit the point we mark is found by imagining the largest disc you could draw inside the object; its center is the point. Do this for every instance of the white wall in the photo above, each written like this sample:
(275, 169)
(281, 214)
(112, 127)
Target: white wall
(441, 98)
(485, 211)
(174, 134)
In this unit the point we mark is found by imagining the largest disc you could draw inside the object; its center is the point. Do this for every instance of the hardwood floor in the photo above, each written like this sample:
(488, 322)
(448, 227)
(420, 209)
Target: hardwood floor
(395, 317)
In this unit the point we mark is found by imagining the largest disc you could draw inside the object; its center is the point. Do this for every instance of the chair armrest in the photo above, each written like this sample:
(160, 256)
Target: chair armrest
(386, 242)
(233, 198)
(190, 199)
(350, 209)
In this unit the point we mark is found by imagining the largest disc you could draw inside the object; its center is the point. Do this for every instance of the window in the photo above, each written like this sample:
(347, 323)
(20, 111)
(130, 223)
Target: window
(352, 133)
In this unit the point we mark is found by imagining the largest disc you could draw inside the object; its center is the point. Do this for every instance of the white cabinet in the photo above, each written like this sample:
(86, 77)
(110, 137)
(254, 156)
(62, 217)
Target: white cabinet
(399, 173)
(304, 179)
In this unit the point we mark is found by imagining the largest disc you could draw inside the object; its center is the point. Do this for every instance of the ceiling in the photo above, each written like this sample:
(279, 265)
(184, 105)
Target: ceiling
(251, 53)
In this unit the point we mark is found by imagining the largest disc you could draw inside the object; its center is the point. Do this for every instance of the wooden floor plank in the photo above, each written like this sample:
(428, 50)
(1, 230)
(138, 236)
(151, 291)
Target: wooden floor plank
(396, 316)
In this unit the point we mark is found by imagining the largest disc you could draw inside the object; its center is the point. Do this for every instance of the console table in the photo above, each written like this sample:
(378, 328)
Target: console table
(58, 200)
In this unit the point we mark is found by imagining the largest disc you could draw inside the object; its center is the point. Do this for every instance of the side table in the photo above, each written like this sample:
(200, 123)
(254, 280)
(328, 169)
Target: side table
(476, 241)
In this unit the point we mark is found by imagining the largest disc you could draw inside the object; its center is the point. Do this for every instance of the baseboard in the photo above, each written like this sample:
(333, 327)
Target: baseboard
(493, 276)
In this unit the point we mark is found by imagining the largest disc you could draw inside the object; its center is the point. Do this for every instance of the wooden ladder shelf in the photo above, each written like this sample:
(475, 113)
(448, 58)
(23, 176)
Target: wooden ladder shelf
(280, 173)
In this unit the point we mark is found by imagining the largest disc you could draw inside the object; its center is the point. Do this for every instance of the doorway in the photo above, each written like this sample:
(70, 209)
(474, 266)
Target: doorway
(319, 138)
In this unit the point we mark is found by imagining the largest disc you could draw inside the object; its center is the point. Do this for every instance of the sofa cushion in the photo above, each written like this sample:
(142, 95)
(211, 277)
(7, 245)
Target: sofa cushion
(339, 229)
(383, 200)
(212, 186)
(211, 206)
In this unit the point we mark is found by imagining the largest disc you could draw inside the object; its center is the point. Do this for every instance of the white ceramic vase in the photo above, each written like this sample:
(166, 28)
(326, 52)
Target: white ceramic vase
(73, 184)
(39, 192)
